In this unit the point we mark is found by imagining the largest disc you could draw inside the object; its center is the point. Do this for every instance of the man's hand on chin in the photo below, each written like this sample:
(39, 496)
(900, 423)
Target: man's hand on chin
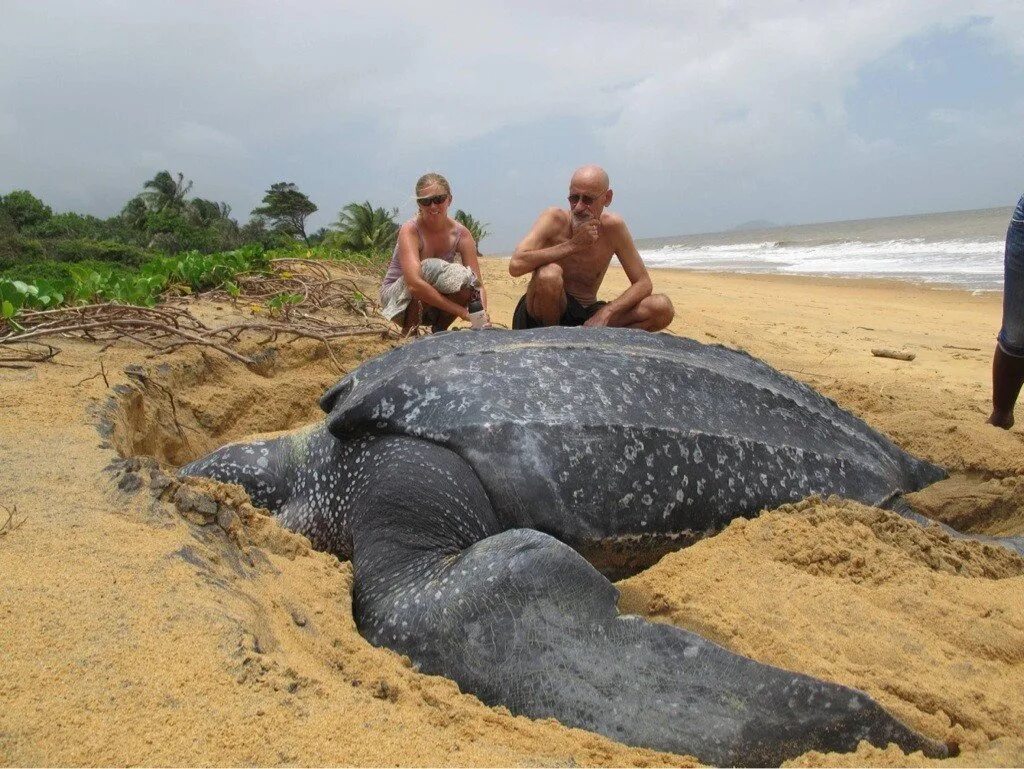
(586, 232)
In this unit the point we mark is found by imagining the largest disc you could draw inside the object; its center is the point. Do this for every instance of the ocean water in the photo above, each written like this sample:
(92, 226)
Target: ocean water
(959, 249)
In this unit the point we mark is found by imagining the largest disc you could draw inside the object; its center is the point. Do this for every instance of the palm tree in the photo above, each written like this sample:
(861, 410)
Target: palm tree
(476, 228)
(163, 192)
(134, 213)
(207, 212)
(365, 228)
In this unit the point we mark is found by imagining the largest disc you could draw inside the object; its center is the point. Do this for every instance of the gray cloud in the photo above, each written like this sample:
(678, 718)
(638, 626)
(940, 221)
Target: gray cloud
(706, 114)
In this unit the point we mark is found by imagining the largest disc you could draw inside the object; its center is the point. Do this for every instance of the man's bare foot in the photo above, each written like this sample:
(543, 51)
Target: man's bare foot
(1001, 420)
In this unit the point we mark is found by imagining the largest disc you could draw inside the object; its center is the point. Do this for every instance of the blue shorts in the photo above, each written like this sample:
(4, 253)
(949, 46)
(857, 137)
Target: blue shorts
(1011, 335)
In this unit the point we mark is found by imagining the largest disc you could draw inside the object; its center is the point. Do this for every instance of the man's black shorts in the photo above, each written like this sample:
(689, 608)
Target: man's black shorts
(575, 314)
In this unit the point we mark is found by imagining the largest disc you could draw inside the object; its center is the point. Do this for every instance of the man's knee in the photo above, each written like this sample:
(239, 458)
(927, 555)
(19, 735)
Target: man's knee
(548, 279)
(661, 311)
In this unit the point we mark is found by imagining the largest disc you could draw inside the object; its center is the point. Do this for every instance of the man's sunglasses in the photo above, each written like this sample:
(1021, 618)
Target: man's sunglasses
(434, 200)
(587, 199)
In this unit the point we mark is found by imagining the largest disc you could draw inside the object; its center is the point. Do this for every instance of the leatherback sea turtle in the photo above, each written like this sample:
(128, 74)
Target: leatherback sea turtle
(464, 474)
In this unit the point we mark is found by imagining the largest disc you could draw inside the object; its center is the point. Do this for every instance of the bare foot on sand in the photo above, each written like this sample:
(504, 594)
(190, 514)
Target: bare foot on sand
(1000, 419)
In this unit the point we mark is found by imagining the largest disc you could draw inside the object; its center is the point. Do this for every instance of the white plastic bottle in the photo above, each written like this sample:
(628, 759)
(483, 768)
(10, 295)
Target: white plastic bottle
(477, 313)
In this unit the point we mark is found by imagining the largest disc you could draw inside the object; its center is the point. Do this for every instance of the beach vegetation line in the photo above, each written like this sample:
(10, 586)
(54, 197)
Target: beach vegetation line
(164, 242)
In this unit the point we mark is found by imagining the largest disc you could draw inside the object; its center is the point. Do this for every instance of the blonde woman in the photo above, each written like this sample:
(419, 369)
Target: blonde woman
(434, 272)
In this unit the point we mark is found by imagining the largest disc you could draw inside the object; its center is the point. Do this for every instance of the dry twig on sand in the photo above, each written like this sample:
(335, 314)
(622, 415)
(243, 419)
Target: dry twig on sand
(20, 355)
(9, 523)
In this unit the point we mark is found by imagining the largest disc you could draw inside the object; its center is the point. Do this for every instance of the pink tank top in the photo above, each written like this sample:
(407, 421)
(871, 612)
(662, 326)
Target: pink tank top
(395, 268)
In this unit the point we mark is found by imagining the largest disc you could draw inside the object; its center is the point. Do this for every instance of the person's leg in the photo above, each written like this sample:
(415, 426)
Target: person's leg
(444, 319)
(1008, 360)
(521, 318)
(545, 296)
(653, 313)
(1007, 378)
(400, 307)
(411, 319)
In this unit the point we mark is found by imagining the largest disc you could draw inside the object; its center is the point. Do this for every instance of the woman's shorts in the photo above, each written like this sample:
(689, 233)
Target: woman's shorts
(1011, 335)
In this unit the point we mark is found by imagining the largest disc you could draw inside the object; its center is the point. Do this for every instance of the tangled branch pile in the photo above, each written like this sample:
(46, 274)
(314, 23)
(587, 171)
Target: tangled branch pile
(308, 283)
(308, 286)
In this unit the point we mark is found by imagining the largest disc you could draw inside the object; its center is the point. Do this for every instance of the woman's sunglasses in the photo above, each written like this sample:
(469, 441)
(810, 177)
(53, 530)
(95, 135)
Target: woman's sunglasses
(434, 200)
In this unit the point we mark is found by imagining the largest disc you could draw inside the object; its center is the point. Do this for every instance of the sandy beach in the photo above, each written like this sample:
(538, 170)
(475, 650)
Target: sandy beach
(147, 621)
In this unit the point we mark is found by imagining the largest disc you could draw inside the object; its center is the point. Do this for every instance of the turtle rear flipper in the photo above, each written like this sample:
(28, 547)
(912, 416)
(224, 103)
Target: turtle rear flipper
(520, 619)
(902, 507)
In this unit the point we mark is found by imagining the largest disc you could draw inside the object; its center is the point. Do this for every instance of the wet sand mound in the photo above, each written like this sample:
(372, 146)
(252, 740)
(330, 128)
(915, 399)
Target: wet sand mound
(933, 628)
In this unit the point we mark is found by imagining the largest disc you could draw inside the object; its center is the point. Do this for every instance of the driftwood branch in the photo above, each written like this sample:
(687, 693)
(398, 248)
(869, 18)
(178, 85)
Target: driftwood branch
(894, 354)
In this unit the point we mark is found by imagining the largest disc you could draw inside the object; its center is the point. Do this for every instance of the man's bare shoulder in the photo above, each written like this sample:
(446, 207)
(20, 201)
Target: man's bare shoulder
(555, 215)
(553, 225)
(612, 221)
(615, 226)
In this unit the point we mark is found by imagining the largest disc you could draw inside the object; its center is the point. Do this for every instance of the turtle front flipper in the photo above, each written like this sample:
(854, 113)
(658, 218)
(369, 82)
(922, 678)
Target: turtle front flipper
(262, 468)
(520, 619)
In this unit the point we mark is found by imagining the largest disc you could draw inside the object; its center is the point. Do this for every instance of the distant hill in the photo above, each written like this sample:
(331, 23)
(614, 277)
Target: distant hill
(753, 224)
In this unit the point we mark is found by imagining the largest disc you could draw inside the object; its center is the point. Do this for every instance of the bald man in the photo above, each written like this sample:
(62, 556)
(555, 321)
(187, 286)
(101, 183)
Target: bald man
(568, 253)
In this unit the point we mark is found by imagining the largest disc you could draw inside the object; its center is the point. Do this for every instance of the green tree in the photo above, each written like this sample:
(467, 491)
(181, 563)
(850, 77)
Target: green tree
(365, 228)
(6, 224)
(255, 230)
(135, 212)
(172, 232)
(287, 208)
(476, 228)
(24, 209)
(207, 212)
(70, 225)
(163, 192)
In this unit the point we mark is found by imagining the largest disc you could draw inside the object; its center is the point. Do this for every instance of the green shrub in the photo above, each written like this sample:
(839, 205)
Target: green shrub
(7, 226)
(46, 284)
(199, 272)
(50, 270)
(24, 209)
(70, 225)
(18, 249)
(78, 250)
(171, 232)
(333, 249)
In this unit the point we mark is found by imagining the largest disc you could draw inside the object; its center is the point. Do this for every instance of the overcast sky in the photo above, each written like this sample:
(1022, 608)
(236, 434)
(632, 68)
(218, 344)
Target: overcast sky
(705, 114)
